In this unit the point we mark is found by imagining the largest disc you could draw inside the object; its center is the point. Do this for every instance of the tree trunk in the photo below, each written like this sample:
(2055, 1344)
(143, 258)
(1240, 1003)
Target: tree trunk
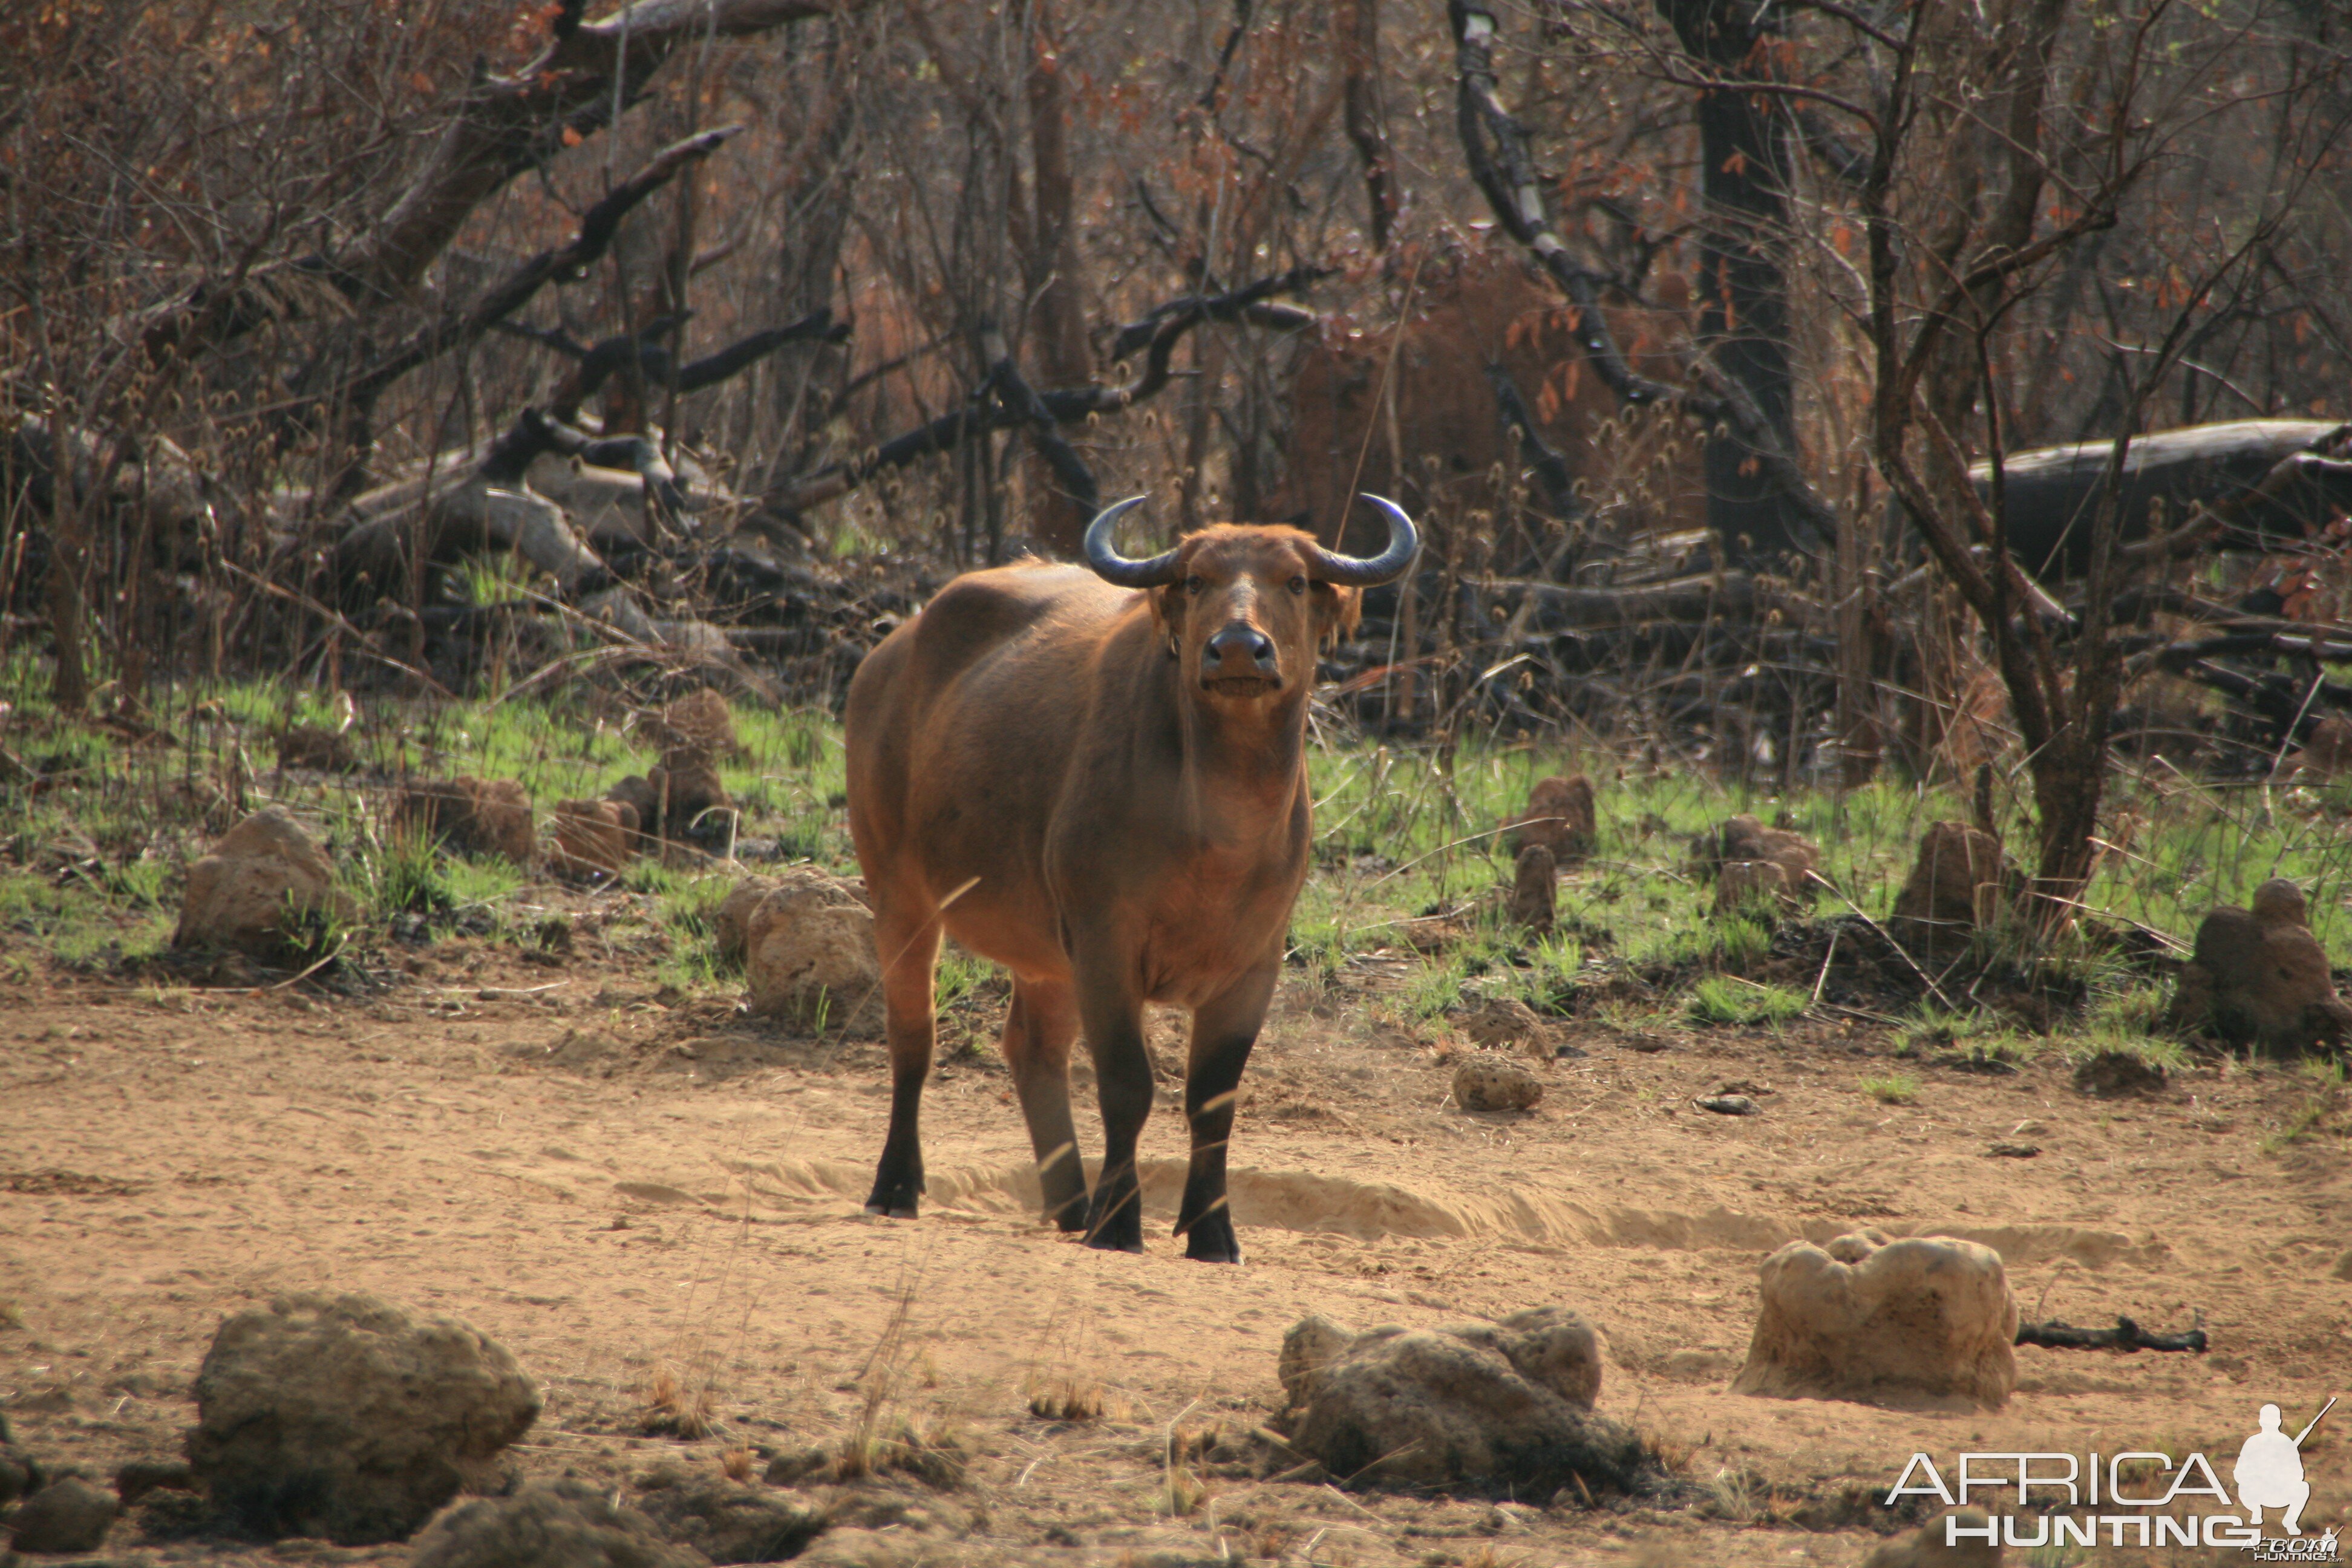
(1057, 320)
(1743, 295)
(807, 379)
(67, 548)
(1359, 25)
(1858, 727)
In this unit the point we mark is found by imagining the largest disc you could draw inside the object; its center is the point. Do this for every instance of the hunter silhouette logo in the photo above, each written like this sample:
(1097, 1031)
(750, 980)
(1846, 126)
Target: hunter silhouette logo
(2269, 1471)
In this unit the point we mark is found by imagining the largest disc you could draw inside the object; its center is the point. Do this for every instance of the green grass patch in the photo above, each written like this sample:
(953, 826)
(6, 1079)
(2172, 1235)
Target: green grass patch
(1892, 1089)
(1399, 830)
(1723, 999)
(400, 875)
(1980, 1035)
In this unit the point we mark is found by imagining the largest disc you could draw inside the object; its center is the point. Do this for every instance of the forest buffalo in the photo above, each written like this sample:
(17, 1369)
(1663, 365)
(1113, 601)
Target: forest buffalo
(1097, 779)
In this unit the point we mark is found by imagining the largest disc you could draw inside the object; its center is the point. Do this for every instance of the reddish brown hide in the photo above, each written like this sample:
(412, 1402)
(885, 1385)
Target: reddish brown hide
(1440, 451)
(1105, 791)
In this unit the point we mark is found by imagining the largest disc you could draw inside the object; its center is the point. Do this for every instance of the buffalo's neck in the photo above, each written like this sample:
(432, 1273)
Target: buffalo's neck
(1241, 767)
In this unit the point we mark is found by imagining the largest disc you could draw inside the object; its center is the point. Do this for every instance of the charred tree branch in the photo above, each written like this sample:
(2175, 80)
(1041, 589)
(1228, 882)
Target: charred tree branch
(1158, 334)
(498, 127)
(598, 224)
(1017, 398)
(2126, 1336)
(1519, 424)
(659, 368)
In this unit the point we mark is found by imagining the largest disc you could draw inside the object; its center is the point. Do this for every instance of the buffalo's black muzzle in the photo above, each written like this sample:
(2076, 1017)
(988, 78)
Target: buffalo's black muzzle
(1240, 655)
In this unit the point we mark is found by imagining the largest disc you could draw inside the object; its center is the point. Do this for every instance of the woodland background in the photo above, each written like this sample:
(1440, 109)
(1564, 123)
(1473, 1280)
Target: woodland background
(430, 345)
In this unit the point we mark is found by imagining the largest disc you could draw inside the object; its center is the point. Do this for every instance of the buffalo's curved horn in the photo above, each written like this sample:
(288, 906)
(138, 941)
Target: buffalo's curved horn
(1363, 571)
(1110, 565)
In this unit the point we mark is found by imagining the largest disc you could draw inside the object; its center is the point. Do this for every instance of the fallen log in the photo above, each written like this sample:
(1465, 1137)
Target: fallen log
(471, 518)
(1684, 599)
(2257, 481)
(488, 509)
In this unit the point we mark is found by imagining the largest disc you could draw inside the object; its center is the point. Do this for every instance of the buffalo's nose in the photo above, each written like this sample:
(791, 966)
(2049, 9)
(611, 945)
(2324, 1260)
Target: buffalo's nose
(1240, 642)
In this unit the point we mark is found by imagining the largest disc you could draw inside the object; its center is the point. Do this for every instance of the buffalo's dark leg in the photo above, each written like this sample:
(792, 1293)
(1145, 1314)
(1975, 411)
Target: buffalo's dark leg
(907, 942)
(1224, 1030)
(1113, 1020)
(1039, 1028)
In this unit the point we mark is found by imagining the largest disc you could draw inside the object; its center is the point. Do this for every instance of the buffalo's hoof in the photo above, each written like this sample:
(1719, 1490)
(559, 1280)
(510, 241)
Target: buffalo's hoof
(1068, 1218)
(1121, 1228)
(1211, 1240)
(1111, 1241)
(895, 1198)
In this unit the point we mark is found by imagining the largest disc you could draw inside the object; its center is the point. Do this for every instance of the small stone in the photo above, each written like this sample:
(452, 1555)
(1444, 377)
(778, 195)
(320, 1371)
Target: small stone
(1727, 1104)
(808, 955)
(1485, 1080)
(593, 837)
(263, 876)
(474, 817)
(1535, 882)
(2259, 977)
(1927, 1547)
(67, 1515)
(2014, 1151)
(1560, 818)
(1959, 883)
(1869, 1318)
(349, 1416)
(2111, 1075)
(563, 1524)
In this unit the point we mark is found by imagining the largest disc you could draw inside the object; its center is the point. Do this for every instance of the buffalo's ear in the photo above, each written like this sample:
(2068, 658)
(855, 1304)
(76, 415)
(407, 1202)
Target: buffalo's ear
(1337, 611)
(1168, 601)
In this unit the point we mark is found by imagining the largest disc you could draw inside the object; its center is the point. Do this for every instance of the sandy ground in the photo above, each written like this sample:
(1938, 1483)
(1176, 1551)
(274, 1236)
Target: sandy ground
(629, 1189)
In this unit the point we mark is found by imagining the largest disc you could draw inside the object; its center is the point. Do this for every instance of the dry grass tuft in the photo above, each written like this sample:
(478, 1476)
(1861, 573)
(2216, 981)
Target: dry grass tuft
(1068, 1399)
(927, 1447)
(674, 1411)
(1182, 1492)
(736, 1464)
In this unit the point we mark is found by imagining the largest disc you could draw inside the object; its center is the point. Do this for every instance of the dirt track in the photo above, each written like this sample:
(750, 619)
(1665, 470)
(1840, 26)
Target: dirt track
(618, 1188)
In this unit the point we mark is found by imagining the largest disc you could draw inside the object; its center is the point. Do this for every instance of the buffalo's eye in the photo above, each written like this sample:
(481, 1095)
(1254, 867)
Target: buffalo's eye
(1298, 584)
(1193, 584)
